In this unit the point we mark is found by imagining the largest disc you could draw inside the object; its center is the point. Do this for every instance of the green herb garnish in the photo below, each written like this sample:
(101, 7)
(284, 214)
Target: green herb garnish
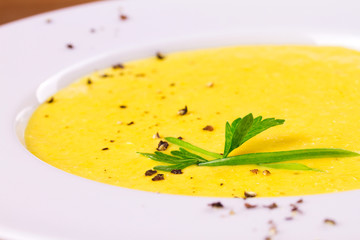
(237, 133)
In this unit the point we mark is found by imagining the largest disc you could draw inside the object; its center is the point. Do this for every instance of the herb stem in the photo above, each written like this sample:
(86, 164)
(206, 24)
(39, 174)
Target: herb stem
(274, 157)
(236, 133)
(189, 146)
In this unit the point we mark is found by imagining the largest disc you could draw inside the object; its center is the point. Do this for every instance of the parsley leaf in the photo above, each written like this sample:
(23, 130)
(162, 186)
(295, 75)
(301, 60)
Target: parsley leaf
(179, 159)
(169, 168)
(236, 133)
(242, 129)
(260, 125)
(162, 157)
(186, 154)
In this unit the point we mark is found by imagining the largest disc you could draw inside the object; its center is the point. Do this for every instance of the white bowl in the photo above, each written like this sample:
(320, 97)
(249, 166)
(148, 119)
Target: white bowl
(38, 201)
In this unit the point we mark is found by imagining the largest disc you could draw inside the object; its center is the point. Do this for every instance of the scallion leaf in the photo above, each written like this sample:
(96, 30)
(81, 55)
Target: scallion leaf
(191, 147)
(274, 157)
(289, 166)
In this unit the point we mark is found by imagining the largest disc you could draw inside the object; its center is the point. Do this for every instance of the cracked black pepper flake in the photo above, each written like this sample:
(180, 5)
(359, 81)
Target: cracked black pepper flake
(183, 111)
(208, 128)
(271, 206)
(216, 205)
(123, 106)
(162, 146)
(104, 149)
(124, 17)
(130, 123)
(118, 66)
(105, 75)
(221, 184)
(158, 177)
(289, 218)
(300, 200)
(250, 206)
(254, 171)
(156, 135)
(160, 56)
(176, 171)
(248, 194)
(51, 100)
(272, 230)
(329, 222)
(295, 209)
(112, 141)
(266, 173)
(150, 172)
(89, 82)
(70, 46)
(180, 138)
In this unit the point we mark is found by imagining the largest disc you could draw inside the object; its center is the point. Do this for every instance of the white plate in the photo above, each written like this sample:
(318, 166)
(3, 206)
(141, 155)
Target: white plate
(38, 201)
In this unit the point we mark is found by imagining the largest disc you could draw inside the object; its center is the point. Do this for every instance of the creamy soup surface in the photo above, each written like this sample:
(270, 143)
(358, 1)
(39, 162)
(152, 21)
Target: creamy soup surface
(95, 127)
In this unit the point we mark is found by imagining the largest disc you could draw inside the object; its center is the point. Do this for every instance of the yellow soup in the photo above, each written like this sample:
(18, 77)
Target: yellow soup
(95, 127)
